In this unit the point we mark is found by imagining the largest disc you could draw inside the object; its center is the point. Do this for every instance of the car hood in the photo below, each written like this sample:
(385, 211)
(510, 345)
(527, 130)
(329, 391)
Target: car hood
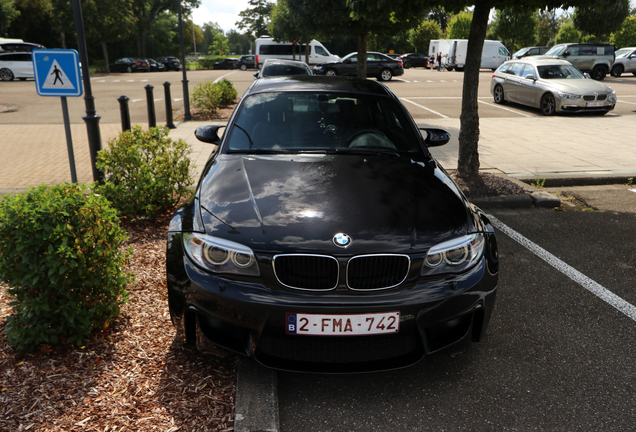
(577, 86)
(297, 203)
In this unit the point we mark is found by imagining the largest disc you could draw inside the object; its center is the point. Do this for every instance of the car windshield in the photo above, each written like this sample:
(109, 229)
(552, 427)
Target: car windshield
(556, 50)
(521, 52)
(559, 72)
(321, 122)
(623, 52)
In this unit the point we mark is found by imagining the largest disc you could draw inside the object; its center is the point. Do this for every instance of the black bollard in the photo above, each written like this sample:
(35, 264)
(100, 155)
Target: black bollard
(166, 90)
(152, 120)
(125, 112)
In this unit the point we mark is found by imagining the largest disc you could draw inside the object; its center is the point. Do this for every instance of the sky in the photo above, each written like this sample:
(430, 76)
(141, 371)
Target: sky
(223, 12)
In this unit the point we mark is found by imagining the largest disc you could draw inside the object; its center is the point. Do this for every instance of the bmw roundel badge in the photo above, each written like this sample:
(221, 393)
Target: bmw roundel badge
(342, 240)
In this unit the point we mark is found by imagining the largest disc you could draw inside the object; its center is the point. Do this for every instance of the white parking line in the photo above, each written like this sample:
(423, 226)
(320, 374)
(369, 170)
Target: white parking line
(221, 77)
(505, 109)
(633, 190)
(631, 103)
(423, 107)
(578, 277)
(136, 100)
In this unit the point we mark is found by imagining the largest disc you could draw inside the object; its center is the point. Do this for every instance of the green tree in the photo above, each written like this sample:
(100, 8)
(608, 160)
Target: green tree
(255, 19)
(146, 12)
(209, 30)
(8, 13)
(459, 25)
(602, 18)
(33, 22)
(192, 35)
(568, 34)
(282, 27)
(515, 29)
(108, 22)
(239, 43)
(421, 36)
(220, 45)
(440, 16)
(626, 36)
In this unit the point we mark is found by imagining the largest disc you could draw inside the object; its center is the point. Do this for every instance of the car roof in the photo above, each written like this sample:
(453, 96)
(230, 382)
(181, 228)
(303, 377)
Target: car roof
(540, 62)
(320, 83)
(283, 61)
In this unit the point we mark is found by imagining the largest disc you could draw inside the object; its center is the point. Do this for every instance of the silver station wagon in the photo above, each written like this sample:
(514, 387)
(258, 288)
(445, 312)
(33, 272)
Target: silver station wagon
(550, 85)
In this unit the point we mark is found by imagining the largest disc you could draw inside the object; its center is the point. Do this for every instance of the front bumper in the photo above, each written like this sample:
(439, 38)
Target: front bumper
(222, 316)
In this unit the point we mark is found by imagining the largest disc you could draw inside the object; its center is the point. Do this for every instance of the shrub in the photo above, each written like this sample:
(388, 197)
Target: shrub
(147, 173)
(60, 256)
(207, 96)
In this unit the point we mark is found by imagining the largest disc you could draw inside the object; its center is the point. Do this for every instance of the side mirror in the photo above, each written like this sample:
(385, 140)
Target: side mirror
(530, 77)
(208, 134)
(256, 75)
(587, 75)
(435, 137)
(565, 54)
(347, 61)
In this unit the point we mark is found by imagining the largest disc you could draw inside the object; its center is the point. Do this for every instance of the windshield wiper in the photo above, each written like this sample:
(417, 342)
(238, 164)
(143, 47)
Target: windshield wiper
(246, 134)
(375, 152)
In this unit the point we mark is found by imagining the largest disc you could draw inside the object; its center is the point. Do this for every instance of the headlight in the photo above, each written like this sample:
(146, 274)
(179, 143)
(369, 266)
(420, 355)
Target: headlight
(612, 95)
(454, 256)
(219, 255)
(569, 96)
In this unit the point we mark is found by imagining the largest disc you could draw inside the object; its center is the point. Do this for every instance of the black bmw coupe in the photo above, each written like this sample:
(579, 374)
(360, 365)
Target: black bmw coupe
(324, 237)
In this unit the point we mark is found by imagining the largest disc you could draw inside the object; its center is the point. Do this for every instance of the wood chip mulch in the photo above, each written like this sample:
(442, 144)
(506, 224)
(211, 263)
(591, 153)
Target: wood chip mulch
(221, 114)
(134, 375)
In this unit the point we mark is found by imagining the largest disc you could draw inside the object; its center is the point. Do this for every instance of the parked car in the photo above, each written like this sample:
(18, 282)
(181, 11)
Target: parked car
(155, 66)
(323, 236)
(378, 65)
(530, 51)
(414, 60)
(273, 67)
(226, 63)
(16, 65)
(550, 85)
(19, 46)
(246, 62)
(625, 62)
(129, 65)
(171, 63)
(597, 59)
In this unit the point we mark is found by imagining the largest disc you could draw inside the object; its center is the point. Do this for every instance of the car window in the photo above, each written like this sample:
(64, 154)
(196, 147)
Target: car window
(315, 121)
(373, 57)
(528, 69)
(573, 50)
(503, 51)
(320, 51)
(586, 50)
(533, 51)
(559, 72)
(556, 50)
(504, 67)
(284, 69)
(516, 69)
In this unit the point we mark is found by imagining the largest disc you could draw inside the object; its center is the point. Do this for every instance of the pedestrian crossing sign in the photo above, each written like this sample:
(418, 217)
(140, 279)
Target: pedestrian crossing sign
(57, 72)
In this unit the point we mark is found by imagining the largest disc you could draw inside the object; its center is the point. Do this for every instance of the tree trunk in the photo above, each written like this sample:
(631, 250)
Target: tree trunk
(293, 51)
(63, 39)
(362, 55)
(307, 48)
(106, 62)
(468, 161)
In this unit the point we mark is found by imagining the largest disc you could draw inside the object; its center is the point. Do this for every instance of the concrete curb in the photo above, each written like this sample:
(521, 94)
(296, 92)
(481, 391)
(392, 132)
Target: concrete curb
(256, 406)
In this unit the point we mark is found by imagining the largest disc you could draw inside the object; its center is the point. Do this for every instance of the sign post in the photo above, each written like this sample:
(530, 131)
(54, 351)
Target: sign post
(57, 73)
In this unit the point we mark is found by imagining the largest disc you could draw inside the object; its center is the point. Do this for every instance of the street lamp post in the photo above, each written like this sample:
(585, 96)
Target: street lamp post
(91, 119)
(186, 96)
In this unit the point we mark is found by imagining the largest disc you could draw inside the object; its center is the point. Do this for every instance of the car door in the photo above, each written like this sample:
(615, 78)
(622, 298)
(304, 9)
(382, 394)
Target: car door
(349, 67)
(512, 80)
(24, 66)
(527, 90)
(571, 54)
(374, 64)
(630, 62)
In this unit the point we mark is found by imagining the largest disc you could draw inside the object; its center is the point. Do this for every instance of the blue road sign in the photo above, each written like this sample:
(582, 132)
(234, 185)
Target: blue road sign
(57, 72)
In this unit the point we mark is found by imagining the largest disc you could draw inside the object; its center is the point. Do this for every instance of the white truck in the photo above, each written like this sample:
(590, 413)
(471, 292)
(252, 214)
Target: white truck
(267, 48)
(453, 53)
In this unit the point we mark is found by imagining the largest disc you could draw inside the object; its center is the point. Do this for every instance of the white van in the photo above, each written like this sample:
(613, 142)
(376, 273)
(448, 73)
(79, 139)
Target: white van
(266, 48)
(493, 54)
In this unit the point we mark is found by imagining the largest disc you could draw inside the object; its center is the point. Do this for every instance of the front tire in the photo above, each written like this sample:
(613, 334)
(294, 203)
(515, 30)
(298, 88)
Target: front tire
(548, 104)
(499, 95)
(129, 69)
(331, 72)
(243, 67)
(598, 73)
(385, 75)
(617, 70)
(6, 74)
